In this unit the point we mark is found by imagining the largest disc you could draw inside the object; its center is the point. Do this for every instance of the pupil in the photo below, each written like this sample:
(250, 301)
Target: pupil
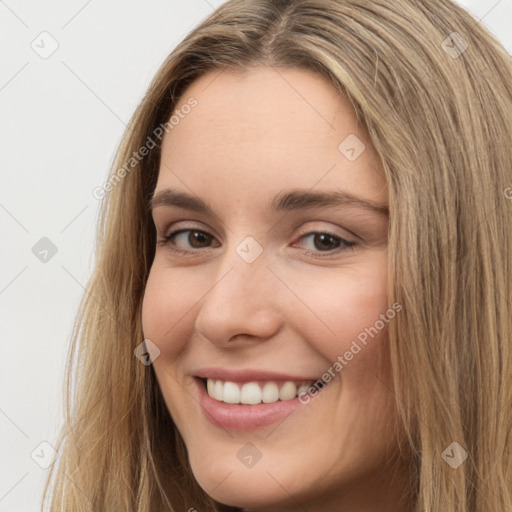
(326, 240)
(197, 237)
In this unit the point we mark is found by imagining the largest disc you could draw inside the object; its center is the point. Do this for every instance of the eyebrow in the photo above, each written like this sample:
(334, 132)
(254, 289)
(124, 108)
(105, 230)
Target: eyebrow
(284, 201)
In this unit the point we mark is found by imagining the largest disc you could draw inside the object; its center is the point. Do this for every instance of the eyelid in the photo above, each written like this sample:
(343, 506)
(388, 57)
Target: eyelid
(349, 244)
(187, 225)
(331, 231)
(304, 231)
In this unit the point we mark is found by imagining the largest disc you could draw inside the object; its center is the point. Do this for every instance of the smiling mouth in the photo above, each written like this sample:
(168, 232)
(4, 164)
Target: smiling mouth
(257, 392)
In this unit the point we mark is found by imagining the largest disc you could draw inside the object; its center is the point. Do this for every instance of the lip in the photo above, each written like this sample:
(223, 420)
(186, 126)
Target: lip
(243, 417)
(248, 375)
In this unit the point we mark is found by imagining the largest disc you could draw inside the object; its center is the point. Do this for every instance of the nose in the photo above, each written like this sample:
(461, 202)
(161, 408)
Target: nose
(242, 304)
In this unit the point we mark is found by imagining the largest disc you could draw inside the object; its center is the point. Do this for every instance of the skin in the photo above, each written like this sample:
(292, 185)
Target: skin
(252, 135)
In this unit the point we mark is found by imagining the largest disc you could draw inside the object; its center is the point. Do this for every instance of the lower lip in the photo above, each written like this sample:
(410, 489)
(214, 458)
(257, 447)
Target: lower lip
(244, 417)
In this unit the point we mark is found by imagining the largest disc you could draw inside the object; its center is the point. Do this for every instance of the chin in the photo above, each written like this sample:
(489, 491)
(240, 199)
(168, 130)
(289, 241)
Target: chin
(251, 488)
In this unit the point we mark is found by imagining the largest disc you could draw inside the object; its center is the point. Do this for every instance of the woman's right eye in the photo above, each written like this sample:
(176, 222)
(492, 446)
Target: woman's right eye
(196, 238)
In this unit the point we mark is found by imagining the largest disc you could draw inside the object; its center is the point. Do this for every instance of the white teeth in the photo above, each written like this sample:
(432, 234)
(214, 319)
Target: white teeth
(288, 391)
(302, 389)
(231, 393)
(270, 393)
(251, 393)
(218, 392)
(210, 385)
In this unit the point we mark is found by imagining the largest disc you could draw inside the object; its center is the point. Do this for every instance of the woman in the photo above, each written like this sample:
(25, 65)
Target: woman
(303, 287)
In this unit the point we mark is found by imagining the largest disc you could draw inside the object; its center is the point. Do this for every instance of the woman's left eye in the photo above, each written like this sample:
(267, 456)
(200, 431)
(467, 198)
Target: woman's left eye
(322, 241)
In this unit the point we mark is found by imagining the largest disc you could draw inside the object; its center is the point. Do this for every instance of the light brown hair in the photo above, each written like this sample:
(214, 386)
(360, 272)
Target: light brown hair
(440, 117)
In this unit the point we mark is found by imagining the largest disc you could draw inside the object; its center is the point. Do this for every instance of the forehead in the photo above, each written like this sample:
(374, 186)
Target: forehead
(268, 127)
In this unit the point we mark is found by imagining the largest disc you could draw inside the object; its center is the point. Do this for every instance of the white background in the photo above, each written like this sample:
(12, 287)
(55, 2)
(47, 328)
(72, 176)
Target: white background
(61, 120)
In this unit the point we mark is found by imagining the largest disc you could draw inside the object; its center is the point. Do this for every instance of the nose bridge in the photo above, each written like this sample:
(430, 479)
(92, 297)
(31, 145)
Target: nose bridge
(244, 265)
(242, 298)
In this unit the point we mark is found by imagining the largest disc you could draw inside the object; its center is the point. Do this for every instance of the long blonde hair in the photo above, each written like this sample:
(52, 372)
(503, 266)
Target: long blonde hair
(433, 88)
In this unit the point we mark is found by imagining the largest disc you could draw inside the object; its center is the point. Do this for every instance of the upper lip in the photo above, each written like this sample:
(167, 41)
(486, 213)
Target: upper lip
(247, 375)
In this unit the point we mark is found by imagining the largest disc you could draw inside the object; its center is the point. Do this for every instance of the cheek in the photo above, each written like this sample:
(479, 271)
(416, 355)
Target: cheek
(345, 308)
(166, 309)
(166, 321)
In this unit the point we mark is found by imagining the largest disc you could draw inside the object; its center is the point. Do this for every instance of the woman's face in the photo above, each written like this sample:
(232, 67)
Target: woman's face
(281, 283)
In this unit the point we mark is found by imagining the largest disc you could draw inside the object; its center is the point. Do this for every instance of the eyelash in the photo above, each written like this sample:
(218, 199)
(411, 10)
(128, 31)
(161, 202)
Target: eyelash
(167, 240)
